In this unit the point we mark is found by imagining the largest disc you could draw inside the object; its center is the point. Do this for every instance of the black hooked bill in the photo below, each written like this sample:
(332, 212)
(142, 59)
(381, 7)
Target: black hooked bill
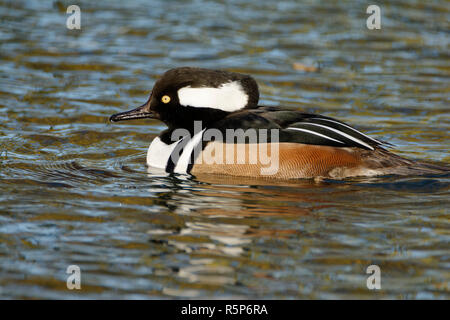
(138, 113)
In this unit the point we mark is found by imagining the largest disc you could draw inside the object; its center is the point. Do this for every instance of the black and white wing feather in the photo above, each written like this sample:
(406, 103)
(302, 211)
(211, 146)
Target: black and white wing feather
(299, 127)
(326, 131)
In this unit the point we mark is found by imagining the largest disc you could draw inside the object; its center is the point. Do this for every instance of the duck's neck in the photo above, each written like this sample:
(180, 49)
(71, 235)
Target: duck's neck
(175, 133)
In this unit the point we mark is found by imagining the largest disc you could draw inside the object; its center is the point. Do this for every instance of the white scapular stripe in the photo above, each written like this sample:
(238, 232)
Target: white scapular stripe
(185, 158)
(343, 124)
(316, 133)
(341, 133)
(228, 97)
(158, 153)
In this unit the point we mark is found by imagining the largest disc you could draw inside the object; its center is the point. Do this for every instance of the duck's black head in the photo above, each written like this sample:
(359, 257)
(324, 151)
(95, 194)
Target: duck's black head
(184, 95)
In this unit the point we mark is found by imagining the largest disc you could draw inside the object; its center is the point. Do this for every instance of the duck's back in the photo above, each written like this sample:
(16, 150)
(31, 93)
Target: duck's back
(304, 146)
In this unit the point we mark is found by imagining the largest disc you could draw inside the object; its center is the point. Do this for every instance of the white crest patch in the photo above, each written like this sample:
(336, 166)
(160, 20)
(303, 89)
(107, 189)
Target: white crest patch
(228, 97)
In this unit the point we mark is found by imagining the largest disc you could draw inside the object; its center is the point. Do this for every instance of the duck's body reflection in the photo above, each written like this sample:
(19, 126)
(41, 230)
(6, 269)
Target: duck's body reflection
(222, 220)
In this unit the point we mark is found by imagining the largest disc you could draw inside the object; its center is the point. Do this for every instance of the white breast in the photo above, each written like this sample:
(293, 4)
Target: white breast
(159, 153)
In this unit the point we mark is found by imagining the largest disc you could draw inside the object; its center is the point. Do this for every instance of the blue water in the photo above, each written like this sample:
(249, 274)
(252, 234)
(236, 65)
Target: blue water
(74, 189)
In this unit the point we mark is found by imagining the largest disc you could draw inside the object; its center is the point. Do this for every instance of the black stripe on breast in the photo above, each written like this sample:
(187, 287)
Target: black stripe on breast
(175, 155)
(194, 156)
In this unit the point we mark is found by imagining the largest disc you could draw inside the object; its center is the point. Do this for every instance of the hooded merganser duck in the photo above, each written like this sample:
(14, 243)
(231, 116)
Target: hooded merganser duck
(191, 101)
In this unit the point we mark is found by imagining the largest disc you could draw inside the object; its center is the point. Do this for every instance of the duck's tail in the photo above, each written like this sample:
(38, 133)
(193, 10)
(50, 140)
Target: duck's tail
(386, 162)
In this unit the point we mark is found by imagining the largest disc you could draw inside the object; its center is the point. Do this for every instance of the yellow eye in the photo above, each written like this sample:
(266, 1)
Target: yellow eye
(165, 99)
